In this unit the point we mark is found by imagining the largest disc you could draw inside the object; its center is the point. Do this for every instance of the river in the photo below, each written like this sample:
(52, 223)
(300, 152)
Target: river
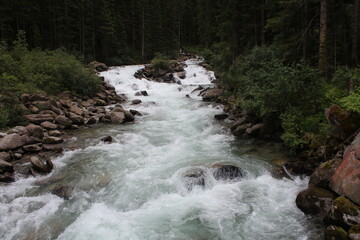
(135, 189)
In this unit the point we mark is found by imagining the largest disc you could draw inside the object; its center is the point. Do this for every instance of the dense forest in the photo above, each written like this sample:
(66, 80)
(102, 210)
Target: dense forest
(289, 58)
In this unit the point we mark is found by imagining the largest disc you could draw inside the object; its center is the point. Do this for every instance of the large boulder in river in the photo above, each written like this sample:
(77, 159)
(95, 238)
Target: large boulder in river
(11, 141)
(194, 177)
(129, 117)
(343, 213)
(117, 117)
(222, 171)
(64, 192)
(40, 166)
(321, 177)
(315, 201)
(212, 94)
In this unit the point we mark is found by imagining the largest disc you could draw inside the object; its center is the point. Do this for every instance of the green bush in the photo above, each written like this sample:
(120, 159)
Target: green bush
(351, 102)
(160, 62)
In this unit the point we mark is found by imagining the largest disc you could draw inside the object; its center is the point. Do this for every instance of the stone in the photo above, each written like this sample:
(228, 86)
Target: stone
(91, 120)
(25, 98)
(55, 133)
(2, 134)
(117, 117)
(343, 213)
(109, 86)
(64, 192)
(136, 101)
(254, 130)
(11, 141)
(75, 109)
(241, 121)
(128, 116)
(300, 167)
(107, 139)
(63, 121)
(5, 156)
(194, 177)
(33, 148)
(321, 177)
(212, 94)
(227, 172)
(21, 130)
(6, 167)
(48, 125)
(315, 201)
(7, 177)
(100, 67)
(53, 147)
(52, 140)
(33, 109)
(39, 118)
(17, 156)
(42, 105)
(76, 119)
(181, 75)
(354, 232)
(40, 166)
(335, 233)
(135, 112)
(346, 179)
(144, 93)
(221, 116)
(66, 95)
(38, 97)
(240, 130)
(35, 131)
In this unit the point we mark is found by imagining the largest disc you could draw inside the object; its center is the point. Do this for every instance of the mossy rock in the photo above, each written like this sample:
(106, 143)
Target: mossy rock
(335, 233)
(322, 175)
(344, 213)
(354, 232)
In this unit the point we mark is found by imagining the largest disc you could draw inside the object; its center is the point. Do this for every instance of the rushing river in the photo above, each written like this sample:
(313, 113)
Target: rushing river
(134, 188)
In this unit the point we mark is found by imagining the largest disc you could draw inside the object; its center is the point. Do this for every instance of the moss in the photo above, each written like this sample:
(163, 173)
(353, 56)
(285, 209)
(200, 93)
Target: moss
(320, 192)
(345, 206)
(335, 232)
(354, 230)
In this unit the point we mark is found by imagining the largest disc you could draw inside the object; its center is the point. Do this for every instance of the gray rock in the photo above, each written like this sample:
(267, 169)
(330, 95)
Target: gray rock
(5, 156)
(63, 121)
(136, 101)
(35, 130)
(52, 140)
(32, 148)
(49, 125)
(40, 166)
(10, 142)
(19, 130)
(117, 117)
(64, 192)
(6, 167)
(7, 177)
(39, 118)
(227, 172)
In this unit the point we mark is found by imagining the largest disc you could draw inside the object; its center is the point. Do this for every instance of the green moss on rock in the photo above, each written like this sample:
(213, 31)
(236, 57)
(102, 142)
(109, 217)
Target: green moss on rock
(335, 233)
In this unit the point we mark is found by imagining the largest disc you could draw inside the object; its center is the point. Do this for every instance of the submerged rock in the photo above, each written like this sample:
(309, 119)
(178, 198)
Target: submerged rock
(64, 192)
(107, 139)
(194, 177)
(136, 101)
(227, 172)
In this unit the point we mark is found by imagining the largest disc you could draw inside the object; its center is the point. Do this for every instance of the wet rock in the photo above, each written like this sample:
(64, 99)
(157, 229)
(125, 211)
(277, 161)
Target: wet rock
(181, 75)
(10, 142)
(48, 125)
(254, 130)
(221, 116)
(107, 139)
(354, 232)
(343, 213)
(39, 118)
(144, 93)
(34, 148)
(315, 201)
(6, 167)
(136, 101)
(227, 172)
(194, 177)
(7, 177)
(109, 87)
(40, 166)
(346, 179)
(64, 192)
(135, 112)
(335, 233)
(35, 130)
(129, 117)
(321, 177)
(212, 94)
(117, 117)
(63, 121)
(52, 140)
(300, 167)
(91, 120)
(240, 130)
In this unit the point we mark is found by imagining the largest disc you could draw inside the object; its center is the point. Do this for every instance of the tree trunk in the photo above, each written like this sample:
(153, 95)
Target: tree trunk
(263, 17)
(143, 35)
(355, 34)
(323, 36)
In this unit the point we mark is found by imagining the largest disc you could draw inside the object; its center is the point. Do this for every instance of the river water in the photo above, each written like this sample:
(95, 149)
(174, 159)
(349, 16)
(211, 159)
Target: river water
(135, 188)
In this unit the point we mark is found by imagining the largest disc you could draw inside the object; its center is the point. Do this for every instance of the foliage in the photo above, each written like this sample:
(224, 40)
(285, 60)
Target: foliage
(351, 102)
(160, 62)
(10, 112)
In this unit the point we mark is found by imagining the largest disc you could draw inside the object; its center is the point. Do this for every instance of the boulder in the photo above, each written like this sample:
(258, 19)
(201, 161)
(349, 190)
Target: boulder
(212, 94)
(181, 75)
(335, 233)
(76, 119)
(25, 98)
(64, 192)
(42, 105)
(300, 167)
(52, 140)
(5, 156)
(11, 141)
(109, 86)
(19, 130)
(194, 177)
(136, 101)
(344, 122)
(315, 201)
(343, 213)
(254, 130)
(107, 139)
(241, 121)
(221, 116)
(240, 130)
(227, 172)
(75, 109)
(6, 167)
(55, 133)
(321, 177)
(40, 166)
(129, 117)
(2, 134)
(117, 117)
(39, 118)
(346, 179)
(135, 112)
(354, 232)
(91, 120)
(48, 125)
(144, 93)
(33, 109)
(35, 131)
(33, 148)
(63, 121)
(100, 67)
(7, 177)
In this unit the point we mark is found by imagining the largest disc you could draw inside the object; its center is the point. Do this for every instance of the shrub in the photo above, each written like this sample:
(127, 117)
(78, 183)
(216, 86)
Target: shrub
(351, 102)
(160, 61)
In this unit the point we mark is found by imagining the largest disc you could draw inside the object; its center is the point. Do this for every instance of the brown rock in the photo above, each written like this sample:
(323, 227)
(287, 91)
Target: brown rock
(212, 94)
(35, 130)
(240, 130)
(181, 75)
(254, 130)
(6, 167)
(33, 148)
(25, 98)
(19, 130)
(5, 156)
(38, 97)
(64, 192)
(7, 177)
(117, 117)
(40, 166)
(33, 109)
(63, 121)
(55, 133)
(100, 67)
(10, 142)
(75, 109)
(136, 101)
(65, 95)
(48, 125)
(52, 140)
(91, 120)
(76, 119)
(39, 118)
(322, 175)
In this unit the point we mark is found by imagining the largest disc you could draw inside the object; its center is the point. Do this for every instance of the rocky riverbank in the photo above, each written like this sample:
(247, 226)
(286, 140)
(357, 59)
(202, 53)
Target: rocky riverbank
(28, 150)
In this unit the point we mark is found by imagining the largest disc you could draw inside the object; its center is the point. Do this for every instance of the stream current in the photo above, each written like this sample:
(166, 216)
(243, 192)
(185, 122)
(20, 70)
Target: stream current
(134, 188)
